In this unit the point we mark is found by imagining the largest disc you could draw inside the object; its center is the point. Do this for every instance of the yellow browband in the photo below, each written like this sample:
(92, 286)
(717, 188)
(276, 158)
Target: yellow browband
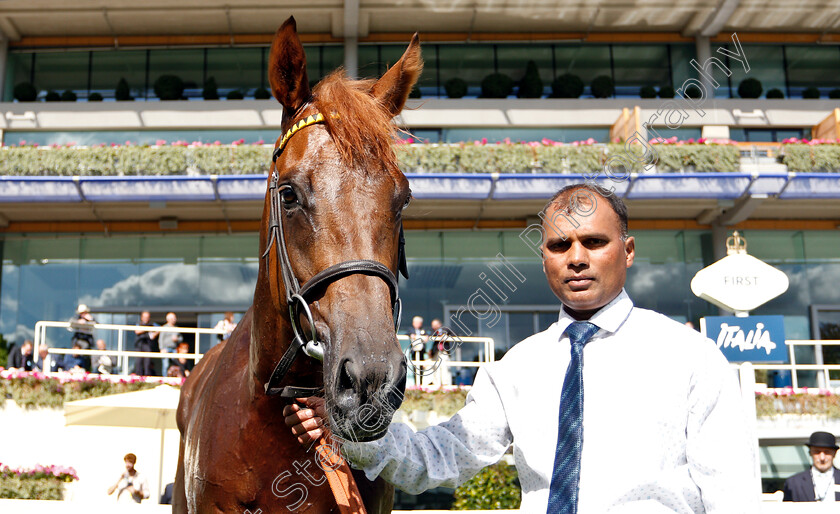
(305, 122)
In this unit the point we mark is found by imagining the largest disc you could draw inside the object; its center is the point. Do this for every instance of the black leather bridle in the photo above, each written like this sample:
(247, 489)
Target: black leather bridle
(299, 297)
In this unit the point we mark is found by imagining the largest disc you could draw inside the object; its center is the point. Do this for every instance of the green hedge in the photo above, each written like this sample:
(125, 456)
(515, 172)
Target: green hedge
(426, 158)
(803, 158)
(824, 403)
(493, 488)
(33, 390)
(38, 483)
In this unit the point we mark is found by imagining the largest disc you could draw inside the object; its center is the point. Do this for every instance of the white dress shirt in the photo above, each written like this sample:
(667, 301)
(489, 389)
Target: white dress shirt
(823, 484)
(663, 428)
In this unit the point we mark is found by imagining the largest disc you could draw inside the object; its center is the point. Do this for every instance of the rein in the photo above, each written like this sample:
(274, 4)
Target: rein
(299, 297)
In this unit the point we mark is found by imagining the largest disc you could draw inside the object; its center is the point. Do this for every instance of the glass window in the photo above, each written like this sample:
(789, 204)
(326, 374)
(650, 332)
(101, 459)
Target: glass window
(766, 64)
(640, 65)
(513, 59)
(109, 67)
(681, 70)
(585, 61)
(812, 66)
(188, 65)
(107, 268)
(18, 70)
(62, 71)
(470, 63)
(140, 137)
(321, 60)
(235, 68)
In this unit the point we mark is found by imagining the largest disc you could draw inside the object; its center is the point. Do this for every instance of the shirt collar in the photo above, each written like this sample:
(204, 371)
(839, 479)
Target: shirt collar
(610, 317)
(822, 475)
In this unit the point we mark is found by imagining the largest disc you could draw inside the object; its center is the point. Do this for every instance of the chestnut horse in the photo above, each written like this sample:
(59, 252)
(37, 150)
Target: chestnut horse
(331, 222)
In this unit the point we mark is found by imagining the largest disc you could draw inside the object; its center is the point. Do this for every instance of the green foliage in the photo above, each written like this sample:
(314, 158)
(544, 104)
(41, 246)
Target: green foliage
(602, 87)
(811, 93)
(531, 85)
(26, 487)
(834, 94)
(210, 91)
(4, 352)
(693, 92)
(169, 87)
(494, 488)
(647, 92)
(123, 92)
(750, 88)
(802, 158)
(666, 92)
(25, 92)
(445, 403)
(32, 391)
(567, 86)
(768, 405)
(69, 96)
(415, 92)
(704, 158)
(235, 95)
(496, 85)
(52, 96)
(774, 93)
(455, 87)
(94, 97)
(262, 93)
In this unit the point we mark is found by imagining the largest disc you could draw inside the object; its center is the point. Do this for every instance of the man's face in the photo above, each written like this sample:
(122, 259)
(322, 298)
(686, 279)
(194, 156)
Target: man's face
(587, 269)
(823, 457)
(43, 351)
(26, 349)
(171, 318)
(145, 317)
(129, 466)
(417, 322)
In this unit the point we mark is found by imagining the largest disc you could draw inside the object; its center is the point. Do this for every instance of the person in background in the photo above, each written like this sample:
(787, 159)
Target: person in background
(45, 362)
(186, 364)
(102, 364)
(227, 325)
(417, 340)
(132, 485)
(145, 341)
(439, 351)
(820, 482)
(169, 341)
(82, 326)
(21, 358)
(73, 362)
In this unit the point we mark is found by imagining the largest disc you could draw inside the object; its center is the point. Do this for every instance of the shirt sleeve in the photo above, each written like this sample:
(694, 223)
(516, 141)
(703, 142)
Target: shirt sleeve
(447, 454)
(720, 448)
(144, 487)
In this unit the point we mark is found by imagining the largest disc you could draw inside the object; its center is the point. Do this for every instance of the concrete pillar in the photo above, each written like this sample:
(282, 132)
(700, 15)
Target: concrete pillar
(351, 38)
(704, 51)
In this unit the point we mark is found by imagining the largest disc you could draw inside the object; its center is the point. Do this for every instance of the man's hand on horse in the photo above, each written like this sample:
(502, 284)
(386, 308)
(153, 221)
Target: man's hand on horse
(307, 422)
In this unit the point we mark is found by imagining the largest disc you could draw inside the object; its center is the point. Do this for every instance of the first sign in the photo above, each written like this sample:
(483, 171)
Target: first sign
(739, 283)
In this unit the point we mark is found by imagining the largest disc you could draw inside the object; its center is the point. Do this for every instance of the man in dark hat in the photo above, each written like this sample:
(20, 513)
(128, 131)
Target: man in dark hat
(820, 482)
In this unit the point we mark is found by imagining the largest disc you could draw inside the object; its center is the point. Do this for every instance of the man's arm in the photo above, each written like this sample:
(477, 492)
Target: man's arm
(719, 446)
(448, 454)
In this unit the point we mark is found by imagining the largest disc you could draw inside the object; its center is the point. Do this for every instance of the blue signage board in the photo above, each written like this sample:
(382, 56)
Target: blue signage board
(753, 339)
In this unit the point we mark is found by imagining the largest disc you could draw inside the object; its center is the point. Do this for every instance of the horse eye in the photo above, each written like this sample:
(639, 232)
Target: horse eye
(407, 201)
(288, 196)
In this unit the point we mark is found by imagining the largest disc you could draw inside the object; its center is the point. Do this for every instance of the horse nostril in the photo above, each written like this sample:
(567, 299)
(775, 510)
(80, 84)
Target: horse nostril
(345, 376)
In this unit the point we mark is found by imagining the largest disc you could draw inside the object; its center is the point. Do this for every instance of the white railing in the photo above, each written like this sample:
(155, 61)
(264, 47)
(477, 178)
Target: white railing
(793, 367)
(122, 354)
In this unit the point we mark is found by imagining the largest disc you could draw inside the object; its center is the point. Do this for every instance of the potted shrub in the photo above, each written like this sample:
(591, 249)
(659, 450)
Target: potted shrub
(210, 91)
(455, 88)
(169, 87)
(531, 85)
(262, 94)
(567, 86)
(834, 94)
(123, 92)
(775, 93)
(693, 92)
(235, 95)
(750, 88)
(52, 96)
(666, 92)
(647, 92)
(69, 96)
(25, 92)
(94, 97)
(602, 87)
(496, 85)
(811, 93)
(415, 92)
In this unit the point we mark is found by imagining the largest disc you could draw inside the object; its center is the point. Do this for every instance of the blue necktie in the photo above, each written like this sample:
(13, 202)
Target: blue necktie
(563, 495)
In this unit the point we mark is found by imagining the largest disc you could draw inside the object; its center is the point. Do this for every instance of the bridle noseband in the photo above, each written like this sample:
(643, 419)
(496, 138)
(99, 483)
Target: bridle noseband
(299, 297)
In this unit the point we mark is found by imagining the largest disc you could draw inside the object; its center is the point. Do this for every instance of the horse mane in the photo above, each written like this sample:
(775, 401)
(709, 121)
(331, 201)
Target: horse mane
(361, 128)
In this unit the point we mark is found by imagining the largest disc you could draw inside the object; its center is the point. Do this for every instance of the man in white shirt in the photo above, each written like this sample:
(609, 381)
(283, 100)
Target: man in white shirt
(132, 485)
(660, 428)
(819, 482)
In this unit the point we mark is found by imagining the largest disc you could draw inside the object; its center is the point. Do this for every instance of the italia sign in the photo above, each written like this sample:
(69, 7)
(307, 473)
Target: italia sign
(739, 282)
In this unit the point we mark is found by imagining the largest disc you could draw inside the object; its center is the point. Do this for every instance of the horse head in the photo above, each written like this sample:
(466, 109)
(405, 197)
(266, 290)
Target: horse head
(333, 236)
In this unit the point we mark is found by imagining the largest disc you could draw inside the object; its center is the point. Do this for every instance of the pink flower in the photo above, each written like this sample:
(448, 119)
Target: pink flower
(483, 140)
(261, 142)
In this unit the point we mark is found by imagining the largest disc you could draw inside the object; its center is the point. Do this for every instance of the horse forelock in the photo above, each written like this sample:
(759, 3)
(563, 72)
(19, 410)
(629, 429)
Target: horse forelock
(360, 126)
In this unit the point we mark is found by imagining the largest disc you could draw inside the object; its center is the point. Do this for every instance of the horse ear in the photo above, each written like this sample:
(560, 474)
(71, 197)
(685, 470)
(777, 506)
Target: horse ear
(393, 88)
(287, 68)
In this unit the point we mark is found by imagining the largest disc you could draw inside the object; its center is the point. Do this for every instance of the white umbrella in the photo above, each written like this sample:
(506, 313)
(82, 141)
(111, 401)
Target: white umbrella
(150, 408)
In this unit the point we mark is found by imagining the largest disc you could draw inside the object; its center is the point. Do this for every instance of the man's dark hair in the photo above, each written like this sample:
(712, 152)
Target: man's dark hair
(616, 203)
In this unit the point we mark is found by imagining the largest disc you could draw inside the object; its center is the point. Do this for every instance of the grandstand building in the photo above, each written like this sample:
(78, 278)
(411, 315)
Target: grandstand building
(175, 232)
